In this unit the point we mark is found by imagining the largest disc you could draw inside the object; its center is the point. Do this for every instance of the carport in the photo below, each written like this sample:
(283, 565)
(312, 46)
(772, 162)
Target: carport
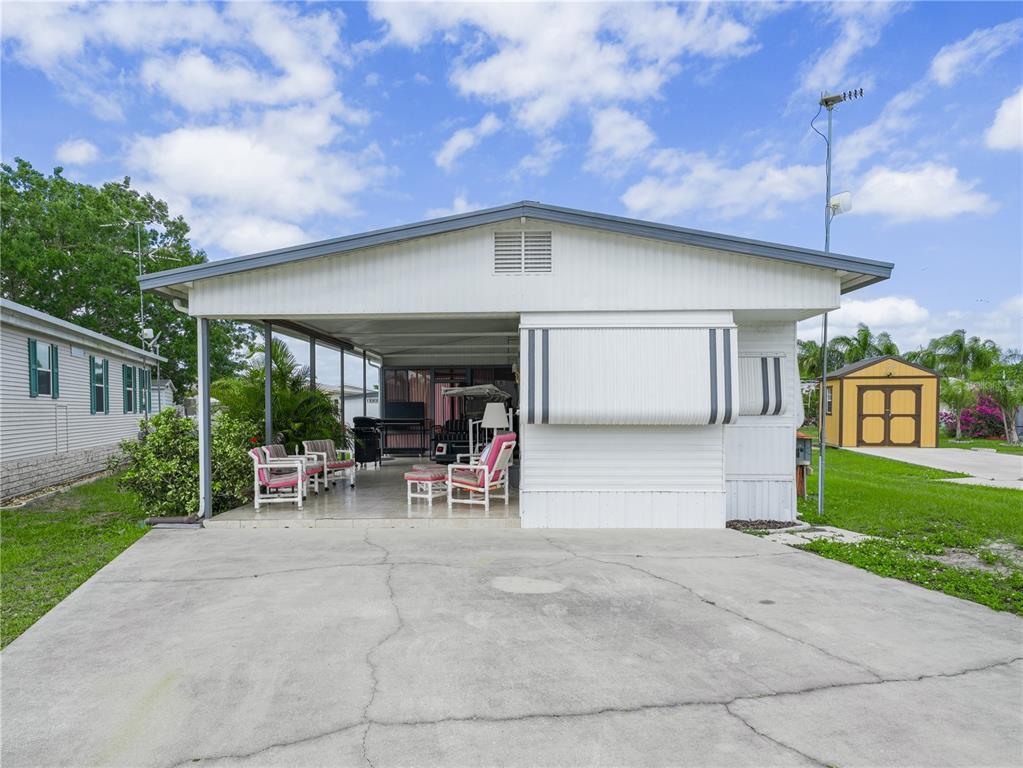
(644, 354)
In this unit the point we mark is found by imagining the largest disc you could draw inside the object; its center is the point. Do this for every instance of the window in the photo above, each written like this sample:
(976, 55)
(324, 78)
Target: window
(99, 391)
(128, 389)
(42, 369)
(143, 389)
(522, 252)
(828, 394)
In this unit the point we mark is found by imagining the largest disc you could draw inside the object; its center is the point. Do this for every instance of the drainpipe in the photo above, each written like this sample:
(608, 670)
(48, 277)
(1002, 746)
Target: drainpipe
(268, 411)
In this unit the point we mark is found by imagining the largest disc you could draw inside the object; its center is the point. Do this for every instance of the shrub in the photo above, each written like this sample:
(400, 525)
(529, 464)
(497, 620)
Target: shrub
(983, 420)
(163, 465)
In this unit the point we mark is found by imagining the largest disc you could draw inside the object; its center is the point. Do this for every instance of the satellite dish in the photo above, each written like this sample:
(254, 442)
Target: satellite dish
(841, 203)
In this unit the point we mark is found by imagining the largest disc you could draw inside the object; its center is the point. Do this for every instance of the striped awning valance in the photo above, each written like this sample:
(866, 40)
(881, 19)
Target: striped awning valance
(631, 375)
(760, 386)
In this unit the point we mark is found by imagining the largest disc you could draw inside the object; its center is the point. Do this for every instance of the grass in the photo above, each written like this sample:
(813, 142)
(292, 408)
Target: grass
(919, 520)
(999, 445)
(50, 546)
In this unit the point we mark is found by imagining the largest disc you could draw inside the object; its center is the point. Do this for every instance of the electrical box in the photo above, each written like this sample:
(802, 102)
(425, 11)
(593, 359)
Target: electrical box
(804, 448)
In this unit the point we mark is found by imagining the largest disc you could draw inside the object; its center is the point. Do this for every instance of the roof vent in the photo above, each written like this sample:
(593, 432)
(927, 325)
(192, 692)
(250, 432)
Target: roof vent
(523, 252)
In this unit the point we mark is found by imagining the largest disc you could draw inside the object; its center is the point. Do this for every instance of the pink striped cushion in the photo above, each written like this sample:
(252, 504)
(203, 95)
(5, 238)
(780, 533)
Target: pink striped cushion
(340, 464)
(425, 476)
(283, 481)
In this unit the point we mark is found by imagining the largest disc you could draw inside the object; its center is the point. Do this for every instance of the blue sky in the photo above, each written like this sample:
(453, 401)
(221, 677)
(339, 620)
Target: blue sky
(267, 125)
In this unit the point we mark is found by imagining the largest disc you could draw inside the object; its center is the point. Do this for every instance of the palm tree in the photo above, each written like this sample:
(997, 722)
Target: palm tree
(863, 345)
(299, 413)
(809, 358)
(957, 356)
(1004, 384)
(958, 395)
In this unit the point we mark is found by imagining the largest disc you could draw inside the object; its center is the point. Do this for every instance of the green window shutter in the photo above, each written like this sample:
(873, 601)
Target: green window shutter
(125, 403)
(33, 378)
(149, 391)
(136, 382)
(54, 372)
(106, 387)
(92, 384)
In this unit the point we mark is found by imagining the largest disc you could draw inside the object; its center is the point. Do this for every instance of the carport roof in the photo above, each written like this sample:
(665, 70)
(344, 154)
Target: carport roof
(860, 272)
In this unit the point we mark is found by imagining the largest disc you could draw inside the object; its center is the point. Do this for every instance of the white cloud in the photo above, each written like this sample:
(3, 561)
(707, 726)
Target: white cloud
(460, 204)
(464, 139)
(1006, 132)
(860, 26)
(270, 172)
(420, 78)
(539, 161)
(544, 60)
(928, 191)
(973, 53)
(77, 152)
(65, 41)
(617, 139)
(697, 183)
(912, 325)
(252, 234)
(896, 119)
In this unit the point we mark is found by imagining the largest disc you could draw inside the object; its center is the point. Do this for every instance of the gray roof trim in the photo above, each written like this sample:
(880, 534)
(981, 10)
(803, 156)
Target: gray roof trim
(867, 362)
(20, 309)
(878, 269)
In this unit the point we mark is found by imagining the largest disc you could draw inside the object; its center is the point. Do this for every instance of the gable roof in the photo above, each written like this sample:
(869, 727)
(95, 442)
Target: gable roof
(863, 271)
(859, 365)
(57, 326)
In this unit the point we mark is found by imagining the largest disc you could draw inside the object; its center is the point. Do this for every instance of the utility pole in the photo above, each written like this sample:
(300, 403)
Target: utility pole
(831, 209)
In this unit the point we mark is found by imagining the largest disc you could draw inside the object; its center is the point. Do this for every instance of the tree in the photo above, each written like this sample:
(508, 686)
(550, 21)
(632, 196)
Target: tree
(299, 413)
(68, 251)
(1004, 384)
(863, 345)
(958, 395)
(957, 356)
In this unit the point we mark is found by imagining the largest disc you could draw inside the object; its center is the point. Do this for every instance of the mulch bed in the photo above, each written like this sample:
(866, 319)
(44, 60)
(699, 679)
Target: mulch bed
(758, 525)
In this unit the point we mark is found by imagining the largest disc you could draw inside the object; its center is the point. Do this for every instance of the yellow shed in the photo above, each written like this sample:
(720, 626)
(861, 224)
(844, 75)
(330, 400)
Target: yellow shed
(882, 401)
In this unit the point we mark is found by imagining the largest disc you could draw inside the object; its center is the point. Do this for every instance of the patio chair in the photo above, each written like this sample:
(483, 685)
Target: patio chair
(277, 481)
(484, 477)
(278, 454)
(335, 463)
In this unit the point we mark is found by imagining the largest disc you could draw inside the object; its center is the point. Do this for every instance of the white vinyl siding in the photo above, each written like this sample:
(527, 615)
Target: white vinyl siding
(34, 426)
(622, 477)
(760, 450)
(454, 273)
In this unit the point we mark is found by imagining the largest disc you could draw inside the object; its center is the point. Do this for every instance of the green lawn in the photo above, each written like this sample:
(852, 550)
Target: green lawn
(917, 519)
(999, 445)
(51, 546)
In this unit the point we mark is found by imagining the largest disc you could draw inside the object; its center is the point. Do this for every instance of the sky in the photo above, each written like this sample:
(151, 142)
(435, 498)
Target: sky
(267, 125)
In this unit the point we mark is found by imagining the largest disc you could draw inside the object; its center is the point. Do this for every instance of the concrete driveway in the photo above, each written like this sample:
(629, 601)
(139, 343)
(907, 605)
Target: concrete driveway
(1002, 470)
(512, 647)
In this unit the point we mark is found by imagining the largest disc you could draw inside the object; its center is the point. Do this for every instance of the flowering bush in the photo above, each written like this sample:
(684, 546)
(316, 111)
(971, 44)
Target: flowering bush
(982, 420)
(948, 422)
(163, 466)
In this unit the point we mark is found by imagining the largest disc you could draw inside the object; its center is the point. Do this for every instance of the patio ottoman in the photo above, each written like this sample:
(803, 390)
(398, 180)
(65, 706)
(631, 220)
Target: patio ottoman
(426, 484)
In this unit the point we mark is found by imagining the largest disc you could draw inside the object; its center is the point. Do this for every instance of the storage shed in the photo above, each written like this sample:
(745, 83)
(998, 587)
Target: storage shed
(882, 401)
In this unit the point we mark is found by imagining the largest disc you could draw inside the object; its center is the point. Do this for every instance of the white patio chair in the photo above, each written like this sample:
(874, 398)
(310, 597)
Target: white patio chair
(278, 454)
(277, 481)
(480, 480)
(336, 463)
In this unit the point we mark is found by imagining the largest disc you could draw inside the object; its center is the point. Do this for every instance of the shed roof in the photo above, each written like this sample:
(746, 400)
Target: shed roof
(861, 272)
(859, 365)
(17, 310)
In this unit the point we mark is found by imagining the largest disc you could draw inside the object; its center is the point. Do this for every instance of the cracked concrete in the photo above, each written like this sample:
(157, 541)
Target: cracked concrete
(395, 647)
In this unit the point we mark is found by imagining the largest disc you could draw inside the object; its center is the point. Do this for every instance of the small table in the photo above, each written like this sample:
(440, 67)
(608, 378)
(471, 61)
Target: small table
(426, 484)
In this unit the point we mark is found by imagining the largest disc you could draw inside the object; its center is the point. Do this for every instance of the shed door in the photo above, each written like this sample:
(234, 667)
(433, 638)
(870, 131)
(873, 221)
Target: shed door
(889, 415)
(873, 417)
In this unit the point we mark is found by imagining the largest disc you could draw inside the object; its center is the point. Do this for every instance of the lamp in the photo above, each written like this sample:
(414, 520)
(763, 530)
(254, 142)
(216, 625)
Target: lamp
(495, 417)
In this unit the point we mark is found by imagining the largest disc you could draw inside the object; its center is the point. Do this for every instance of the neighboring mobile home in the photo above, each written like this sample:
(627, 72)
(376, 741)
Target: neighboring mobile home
(656, 365)
(68, 396)
(882, 401)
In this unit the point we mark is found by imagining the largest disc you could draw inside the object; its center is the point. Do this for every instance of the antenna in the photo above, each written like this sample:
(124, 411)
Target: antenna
(841, 203)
